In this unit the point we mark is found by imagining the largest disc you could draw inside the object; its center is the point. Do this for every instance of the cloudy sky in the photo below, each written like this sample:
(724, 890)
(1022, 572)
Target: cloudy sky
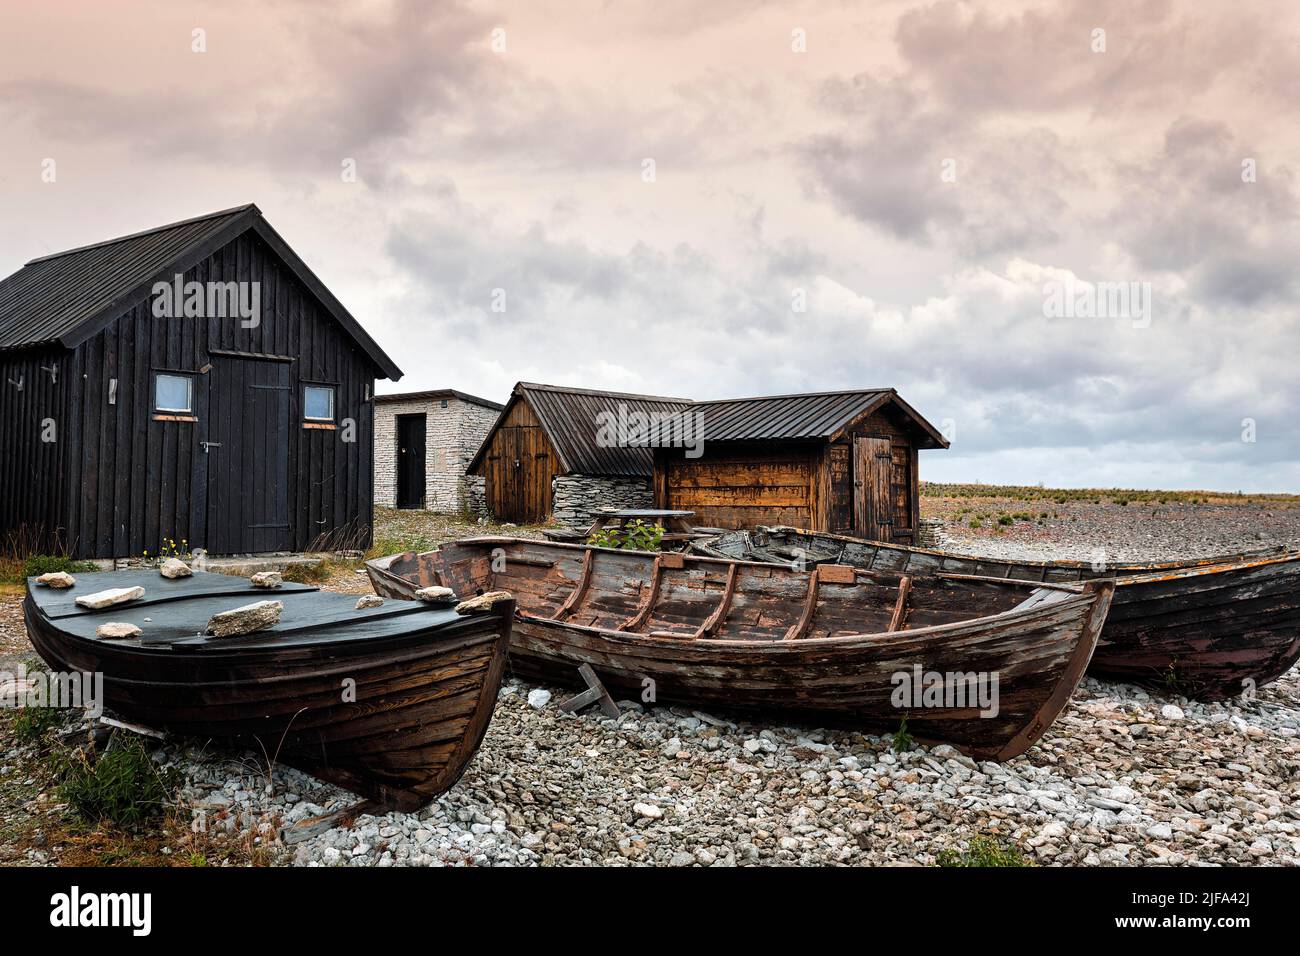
(737, 198)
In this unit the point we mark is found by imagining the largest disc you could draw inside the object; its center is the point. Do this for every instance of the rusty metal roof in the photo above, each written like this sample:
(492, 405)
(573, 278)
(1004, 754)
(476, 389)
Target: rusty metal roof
(569, 416)
(65, 298)
(813, 415)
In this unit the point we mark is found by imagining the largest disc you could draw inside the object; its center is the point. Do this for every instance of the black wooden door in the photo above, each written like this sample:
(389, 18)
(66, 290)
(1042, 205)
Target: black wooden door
(248, 434)
(410, 461)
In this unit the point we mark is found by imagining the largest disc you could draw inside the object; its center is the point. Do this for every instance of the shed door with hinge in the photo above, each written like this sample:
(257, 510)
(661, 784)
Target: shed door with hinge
(520, 489)
(410, 461)
(873, 460)
(248, 435)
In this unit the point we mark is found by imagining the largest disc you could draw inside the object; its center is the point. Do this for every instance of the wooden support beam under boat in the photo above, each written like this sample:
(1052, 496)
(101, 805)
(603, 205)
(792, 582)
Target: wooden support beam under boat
(799, 629)
(900, 606)
(578, 593)
(714, 620)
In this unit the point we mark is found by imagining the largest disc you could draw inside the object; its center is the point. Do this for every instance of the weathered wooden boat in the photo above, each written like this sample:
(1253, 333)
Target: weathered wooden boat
(1208, 628)
(834, 646)
(389, 702)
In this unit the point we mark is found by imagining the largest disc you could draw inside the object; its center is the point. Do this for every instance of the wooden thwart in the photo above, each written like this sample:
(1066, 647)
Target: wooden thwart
(595, 693)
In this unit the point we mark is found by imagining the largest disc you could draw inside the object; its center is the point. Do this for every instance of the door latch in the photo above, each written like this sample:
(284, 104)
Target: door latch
(209, 444)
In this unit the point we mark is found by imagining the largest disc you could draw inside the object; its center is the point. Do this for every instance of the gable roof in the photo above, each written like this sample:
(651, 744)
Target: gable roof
(568, 417)
(433, 395)
(67, 297)
(812, 415)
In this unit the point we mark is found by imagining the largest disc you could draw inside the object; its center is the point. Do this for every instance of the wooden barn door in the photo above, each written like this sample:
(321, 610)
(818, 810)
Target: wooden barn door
(523, 492)
(248, 434)
(873, 461)
(410, 461)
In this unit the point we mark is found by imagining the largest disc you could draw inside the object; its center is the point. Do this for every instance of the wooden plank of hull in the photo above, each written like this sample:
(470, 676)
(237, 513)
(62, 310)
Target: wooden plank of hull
(423, 700)
(734, 615)
(1207, 628)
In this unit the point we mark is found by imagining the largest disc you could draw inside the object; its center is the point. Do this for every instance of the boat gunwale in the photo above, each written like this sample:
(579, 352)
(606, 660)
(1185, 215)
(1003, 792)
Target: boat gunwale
(1055, 600)
(1279, 553)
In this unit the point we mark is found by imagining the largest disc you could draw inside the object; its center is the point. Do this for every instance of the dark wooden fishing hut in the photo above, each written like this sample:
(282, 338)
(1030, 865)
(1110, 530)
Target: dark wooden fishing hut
(193, 382)
(846, 462)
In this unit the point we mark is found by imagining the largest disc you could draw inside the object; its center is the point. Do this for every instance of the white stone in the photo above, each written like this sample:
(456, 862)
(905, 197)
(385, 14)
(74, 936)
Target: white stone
(539, 698)
(117, 629)
(1172, 712)
(369, 600)
(174, 568)
(1159, 831)
(245, 620)
(56, 579)
(648, 810)
(436, 595)
(267, 579)
(103, 599)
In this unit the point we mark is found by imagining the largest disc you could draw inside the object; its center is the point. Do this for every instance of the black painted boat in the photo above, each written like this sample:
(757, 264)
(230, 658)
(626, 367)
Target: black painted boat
(834, 646)
(388, 702)
(1209, 628)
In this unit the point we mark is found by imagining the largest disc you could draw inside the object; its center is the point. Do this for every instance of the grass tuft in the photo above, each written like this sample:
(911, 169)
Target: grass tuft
(120, 785)
(983, 852)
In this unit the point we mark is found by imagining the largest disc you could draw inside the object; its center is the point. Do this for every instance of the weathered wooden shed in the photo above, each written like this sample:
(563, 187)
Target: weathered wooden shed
(196, 381)
(827, 461)
(544, 457)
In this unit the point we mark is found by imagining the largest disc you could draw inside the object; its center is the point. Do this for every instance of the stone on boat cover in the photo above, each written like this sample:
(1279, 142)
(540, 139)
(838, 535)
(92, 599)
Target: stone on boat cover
(57, 579)
(247, 619)
(103, 599)
(174, 568)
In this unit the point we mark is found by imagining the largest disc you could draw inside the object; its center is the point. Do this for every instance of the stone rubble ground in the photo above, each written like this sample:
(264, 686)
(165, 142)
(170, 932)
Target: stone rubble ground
(1122, 777)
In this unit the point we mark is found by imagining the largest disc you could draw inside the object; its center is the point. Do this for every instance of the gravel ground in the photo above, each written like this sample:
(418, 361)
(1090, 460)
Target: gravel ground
(1122, 777)
(1135, 532)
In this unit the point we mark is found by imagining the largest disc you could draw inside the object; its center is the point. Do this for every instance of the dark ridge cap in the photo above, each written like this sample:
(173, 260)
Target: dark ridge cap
(145, 232)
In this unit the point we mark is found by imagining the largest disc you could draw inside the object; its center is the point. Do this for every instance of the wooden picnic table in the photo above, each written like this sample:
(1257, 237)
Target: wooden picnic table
(673, 522)
(676, 524)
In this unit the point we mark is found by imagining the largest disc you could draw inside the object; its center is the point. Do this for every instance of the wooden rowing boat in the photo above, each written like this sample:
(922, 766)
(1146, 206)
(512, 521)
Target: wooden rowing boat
(1209, 628)
(389, 702)
(833, 646)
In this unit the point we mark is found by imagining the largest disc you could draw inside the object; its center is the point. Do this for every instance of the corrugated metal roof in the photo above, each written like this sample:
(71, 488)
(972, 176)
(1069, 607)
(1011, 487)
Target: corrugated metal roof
(433, 395)
(52, 296)
(569, 418)
(66, 297)
(814, 415)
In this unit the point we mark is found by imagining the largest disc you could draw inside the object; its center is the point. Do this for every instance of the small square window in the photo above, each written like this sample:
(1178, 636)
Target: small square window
(173, 393)
(318, 403)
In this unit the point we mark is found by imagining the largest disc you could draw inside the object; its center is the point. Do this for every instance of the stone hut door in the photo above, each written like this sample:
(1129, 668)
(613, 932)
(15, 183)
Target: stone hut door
(410, 461)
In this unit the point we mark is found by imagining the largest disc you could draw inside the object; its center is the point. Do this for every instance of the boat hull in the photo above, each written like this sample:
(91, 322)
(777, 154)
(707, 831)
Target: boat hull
(1209, 629)
(394, 719)
(1036, 656)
